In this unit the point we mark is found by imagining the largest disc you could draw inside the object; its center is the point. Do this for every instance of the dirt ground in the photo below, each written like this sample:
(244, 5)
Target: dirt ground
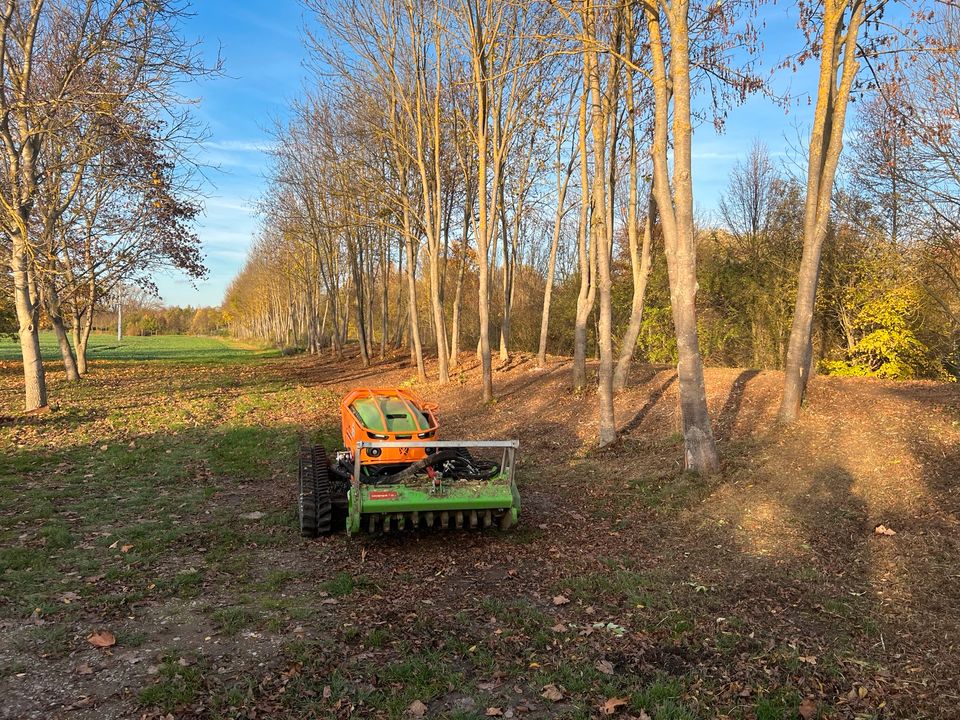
(155, 507)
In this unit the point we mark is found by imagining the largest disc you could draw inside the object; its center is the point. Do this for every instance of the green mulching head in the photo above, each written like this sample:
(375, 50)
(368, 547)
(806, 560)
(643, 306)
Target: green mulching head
(429, 501)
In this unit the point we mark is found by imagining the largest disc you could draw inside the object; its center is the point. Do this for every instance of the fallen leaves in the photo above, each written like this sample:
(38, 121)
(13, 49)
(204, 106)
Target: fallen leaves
(612, 705)
(552, 693)
(494, 712)
(884, 530)
(613, 628)
(102, 639)
(807, 709)
(417, 709)
(561, 600)
(605, 666)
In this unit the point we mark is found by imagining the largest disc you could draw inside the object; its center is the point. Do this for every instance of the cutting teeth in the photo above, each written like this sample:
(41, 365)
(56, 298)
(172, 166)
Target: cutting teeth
(459, 519)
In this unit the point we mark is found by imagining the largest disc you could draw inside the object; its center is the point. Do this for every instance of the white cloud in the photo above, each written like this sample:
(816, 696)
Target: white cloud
(231, 204)
(253, 146)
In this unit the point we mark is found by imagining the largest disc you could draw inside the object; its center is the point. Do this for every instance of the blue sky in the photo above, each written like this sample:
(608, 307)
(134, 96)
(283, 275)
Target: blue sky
(261, 44)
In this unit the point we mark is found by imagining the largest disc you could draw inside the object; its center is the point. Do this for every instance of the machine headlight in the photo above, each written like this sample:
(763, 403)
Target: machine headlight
(373, 452)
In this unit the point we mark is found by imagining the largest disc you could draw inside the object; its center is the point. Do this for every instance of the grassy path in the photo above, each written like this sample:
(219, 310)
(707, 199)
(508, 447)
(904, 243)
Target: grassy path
(156, 504)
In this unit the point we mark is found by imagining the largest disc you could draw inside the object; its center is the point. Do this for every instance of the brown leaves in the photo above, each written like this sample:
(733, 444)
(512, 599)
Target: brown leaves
(552, 693)
(417, 709)
(605, 666)
(561, 600)
(884, 530)
(494, 712)
(613, 705)
(807, 709)
(102, 639)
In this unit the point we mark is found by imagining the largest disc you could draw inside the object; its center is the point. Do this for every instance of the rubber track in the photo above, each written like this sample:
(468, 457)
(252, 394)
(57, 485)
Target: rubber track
(316, 513)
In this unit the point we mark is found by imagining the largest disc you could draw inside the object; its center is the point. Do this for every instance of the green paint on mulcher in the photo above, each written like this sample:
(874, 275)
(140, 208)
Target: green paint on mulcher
(413, 506)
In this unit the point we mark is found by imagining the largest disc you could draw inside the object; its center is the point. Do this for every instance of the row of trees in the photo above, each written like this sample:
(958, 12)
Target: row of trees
(517, 161)
(139, 313)
(93, 135)
(146, 316)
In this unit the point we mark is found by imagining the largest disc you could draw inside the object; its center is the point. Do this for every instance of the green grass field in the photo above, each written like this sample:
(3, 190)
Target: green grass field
(157, 501)
(176, 348)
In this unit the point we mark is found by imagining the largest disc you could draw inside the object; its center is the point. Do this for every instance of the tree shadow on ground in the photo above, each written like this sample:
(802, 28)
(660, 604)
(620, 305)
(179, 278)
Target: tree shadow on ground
(727, 417)
(637, 420)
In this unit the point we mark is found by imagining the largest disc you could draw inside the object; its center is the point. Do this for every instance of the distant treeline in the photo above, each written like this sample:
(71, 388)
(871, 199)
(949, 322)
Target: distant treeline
(147, 320)
(140, 319)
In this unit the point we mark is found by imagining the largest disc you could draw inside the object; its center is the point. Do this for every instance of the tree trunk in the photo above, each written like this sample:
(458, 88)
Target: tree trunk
(457, 305)
(75, 331)
(416, 347)
(356, 265)
(439, 323)
(52, 303)
(640, 262)
(552, 267)
(384, 297)
(35, 385)
(507, 279)
(587, 258)
(676, 214)
(602, 111)
(484, 242)
(83, 336)
(826, 143)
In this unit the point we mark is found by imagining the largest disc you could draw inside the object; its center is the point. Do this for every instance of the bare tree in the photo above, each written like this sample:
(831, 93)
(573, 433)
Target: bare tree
(640, 249)
(833, 29)
(673, 47)
(64, 68)
(563, 173)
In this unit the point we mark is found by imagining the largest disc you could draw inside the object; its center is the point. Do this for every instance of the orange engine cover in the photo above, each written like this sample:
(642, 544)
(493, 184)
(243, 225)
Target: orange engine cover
(387, 414)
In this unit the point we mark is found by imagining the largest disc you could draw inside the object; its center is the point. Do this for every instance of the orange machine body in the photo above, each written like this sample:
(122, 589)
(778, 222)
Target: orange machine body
(387, 414)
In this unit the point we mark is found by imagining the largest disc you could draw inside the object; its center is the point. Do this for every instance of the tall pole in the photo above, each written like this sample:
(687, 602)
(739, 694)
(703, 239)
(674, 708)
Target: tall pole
(119, 316)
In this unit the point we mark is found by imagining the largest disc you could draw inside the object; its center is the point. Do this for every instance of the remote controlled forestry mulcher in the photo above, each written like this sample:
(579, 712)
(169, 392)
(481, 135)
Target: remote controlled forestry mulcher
(395, 473)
